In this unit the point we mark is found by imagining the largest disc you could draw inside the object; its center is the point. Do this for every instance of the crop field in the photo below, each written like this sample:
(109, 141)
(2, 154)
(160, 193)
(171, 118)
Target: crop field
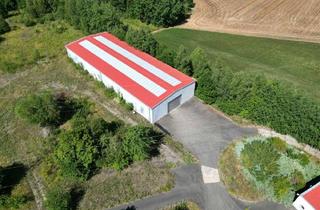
(281, 18)
(296, 63)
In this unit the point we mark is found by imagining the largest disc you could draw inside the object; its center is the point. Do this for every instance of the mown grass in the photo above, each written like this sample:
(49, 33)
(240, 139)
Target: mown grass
(297, 63)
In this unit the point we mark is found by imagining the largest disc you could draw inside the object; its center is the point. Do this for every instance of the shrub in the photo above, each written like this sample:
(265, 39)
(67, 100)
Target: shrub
(281, 187)
(260, 159)
(39, 108)
(256, 98)
(143, 40)
(11, 202)
(4, 26)
(58, 199)
(77, 150)
(137, 142)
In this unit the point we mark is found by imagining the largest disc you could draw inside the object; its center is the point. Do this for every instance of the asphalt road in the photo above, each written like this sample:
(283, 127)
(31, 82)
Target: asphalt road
(205, 133)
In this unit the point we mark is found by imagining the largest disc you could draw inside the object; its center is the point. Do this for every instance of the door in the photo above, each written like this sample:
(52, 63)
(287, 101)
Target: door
(174, 103)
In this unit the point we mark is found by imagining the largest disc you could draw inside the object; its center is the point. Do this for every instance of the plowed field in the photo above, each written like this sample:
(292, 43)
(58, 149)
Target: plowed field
(296, 19)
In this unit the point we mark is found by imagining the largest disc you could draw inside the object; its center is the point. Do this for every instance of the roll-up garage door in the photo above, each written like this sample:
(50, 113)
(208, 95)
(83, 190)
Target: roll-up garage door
(174, 103)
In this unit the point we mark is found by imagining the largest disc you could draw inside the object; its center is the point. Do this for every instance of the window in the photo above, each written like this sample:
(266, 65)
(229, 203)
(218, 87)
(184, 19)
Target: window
(141, 109)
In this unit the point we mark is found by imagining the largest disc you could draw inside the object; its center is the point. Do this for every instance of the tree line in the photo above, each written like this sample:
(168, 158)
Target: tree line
(250, 95)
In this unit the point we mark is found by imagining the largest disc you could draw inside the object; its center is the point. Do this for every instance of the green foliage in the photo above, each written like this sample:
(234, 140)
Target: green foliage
(4, 26)
(281, 186)
(159, 12)
(166, 55)
(38, 8)
(76, 152)
(9, 178)
(260, 159)
(40, 108)
(300, 156)
(276, 170)
(137, 142)
(278, 144)
(12, 202)
(47, 109)
(253, 97)
(143, 40)
(58, 199)
(183, 62)
(93, 17)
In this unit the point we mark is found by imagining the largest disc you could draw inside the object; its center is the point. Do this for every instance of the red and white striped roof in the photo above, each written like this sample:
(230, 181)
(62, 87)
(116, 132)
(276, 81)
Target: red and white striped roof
(143, 76)
(312, 196)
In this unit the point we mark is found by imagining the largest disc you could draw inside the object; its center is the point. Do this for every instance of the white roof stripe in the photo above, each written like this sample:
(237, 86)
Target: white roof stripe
(124, 68)
(139, 61)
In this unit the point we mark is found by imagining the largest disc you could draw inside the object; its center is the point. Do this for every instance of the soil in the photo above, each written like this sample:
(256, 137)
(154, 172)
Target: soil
(288, 19)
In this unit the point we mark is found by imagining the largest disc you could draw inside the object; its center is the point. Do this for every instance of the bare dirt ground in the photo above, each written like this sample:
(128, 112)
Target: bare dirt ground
(291, 19)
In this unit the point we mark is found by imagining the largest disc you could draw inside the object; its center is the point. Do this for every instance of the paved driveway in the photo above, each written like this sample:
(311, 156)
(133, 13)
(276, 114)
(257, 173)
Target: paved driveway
(206, 133)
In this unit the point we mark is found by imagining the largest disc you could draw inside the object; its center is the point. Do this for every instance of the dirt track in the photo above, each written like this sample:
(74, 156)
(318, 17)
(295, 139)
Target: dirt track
(293, 19)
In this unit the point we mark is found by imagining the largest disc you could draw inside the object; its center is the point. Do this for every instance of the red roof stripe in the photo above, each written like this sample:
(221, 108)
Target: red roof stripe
(136, 67)
(122, 80)
(163, 66)
(313, 197)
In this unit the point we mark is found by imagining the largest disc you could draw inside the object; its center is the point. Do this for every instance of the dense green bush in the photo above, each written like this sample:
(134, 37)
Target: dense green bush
(40, 108)
(91, 143)
(93, 17)
(11, 202)
(253, 157)
(160, 12)
(276, 169)
(4, 26)
(143, 40)
(58, 199)
(48, 109)
(254, 97)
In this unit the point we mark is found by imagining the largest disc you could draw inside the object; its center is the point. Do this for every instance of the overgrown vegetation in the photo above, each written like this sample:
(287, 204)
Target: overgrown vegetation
(269, 165)
(254, 97)
(10, 180)
(58, 199)
(184, 205)
(47, 109)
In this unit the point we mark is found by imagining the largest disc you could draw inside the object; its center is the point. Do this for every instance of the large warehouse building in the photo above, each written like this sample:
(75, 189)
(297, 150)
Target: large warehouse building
(153, 87)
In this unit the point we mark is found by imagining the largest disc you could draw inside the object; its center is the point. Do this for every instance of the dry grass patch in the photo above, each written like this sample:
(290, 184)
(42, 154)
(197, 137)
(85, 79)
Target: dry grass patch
(232, 176)
(109, 188)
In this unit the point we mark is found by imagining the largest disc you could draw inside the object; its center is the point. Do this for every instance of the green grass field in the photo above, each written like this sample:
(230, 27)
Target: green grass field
(297, 63)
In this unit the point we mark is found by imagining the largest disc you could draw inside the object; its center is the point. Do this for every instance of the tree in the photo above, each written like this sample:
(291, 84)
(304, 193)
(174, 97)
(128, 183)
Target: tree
(199, 61)
(143, 40)
(166, 55)
(137, 142)
(58, 199)
(4, 26)
(76, 153)
(38, 8)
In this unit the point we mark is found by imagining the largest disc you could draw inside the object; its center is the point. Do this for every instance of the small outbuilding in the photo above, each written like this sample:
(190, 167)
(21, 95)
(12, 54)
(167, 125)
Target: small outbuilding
(309, 199)
(153, 87)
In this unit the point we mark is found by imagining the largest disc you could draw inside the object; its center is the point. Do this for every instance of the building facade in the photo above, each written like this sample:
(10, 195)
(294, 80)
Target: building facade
(151, 86)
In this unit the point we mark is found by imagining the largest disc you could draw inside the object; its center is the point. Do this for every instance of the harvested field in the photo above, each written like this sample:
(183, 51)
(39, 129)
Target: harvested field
(293, 19)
